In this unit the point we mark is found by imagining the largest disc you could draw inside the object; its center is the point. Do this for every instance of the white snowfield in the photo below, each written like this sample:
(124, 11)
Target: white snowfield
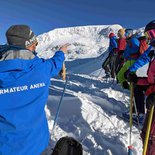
(91, 106)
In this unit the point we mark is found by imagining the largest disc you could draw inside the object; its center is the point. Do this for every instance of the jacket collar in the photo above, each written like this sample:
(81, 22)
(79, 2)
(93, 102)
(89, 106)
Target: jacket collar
(15, 58)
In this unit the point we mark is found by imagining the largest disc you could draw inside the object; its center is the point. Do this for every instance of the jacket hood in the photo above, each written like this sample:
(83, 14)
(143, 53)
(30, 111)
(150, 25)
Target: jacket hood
(14, 63)
(111, 35)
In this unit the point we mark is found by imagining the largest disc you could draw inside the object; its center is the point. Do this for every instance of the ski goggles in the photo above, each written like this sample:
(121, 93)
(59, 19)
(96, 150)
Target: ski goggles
(127, 34)
(150, 34)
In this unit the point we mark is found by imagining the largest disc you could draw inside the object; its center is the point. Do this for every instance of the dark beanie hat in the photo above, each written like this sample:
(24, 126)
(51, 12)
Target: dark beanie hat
(20, 35)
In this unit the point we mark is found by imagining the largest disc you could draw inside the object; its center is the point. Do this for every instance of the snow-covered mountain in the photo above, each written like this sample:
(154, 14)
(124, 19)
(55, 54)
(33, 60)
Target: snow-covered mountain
(91, 107)
(85, 41)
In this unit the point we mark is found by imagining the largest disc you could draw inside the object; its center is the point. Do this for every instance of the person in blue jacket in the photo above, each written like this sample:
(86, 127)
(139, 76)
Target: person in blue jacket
(112, 43)
(24, 82)
(130, 55)
(141, 61)
(109, 63)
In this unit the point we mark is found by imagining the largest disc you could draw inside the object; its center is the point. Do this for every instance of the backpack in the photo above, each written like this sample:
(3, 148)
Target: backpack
(143, 45)
(67, 146)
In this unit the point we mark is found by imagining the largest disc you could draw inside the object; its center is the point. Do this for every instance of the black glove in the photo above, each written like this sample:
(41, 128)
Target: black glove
(130, 76)
(151, 54)
(125, 85)
(150, 101)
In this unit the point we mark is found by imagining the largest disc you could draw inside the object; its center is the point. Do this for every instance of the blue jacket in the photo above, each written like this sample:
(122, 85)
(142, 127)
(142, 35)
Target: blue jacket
(112, 43)
(24, 82)
(131, 48)
(141, 61)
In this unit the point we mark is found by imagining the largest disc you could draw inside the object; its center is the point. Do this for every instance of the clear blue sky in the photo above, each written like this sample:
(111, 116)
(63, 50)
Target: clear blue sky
(45, 15)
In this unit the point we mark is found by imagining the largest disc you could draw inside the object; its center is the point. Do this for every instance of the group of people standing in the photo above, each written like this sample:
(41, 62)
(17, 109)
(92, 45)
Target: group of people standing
(116, 48)
(127, 54)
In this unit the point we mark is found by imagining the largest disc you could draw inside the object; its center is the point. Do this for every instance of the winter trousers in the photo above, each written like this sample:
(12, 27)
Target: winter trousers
(151, 143)
(139, 99)
(106, 65)
(113, 64)
(109, 64)
(120, 75)
(119, 62)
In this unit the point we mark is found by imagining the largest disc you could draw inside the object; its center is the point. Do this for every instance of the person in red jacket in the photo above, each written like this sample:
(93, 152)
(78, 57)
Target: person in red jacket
(121, 47)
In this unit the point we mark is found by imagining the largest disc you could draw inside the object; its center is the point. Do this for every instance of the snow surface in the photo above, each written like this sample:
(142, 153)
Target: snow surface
(91, 107)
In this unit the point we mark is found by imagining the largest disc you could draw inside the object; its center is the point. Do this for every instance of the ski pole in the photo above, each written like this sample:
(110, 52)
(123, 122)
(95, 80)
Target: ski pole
(131, 106)
(148, 130)
(134, 102)
(60, 103)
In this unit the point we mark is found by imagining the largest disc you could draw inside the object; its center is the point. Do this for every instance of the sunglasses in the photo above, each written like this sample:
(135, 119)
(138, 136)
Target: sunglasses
(127, 34)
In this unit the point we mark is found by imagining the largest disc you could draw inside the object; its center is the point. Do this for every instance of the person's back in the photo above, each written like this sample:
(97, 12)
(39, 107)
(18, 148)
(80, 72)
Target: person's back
(24, 81)
(112, 43)
(121, 44)
(132, 49)
(121, 40)
(130, 54)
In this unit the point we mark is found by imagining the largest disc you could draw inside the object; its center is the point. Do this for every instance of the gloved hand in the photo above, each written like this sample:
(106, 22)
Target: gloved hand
(151, 54)
(62, 73)
(130, 76)
(125, 85)
(150, 101)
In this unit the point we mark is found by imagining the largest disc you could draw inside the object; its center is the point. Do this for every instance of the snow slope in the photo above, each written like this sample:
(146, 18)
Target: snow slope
(91, 107)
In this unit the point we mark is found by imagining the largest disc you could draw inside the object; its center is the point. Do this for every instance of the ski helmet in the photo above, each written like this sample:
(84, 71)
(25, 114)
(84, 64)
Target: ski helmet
(150, 30)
